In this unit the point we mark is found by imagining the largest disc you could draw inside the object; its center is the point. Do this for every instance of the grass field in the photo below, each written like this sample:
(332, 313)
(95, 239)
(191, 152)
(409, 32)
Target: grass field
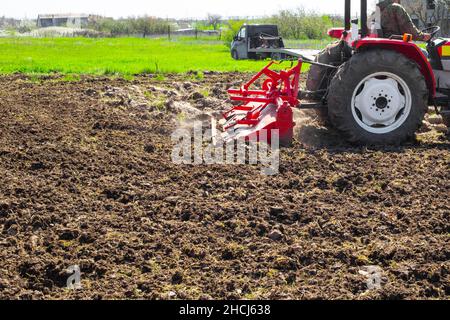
(123, 56)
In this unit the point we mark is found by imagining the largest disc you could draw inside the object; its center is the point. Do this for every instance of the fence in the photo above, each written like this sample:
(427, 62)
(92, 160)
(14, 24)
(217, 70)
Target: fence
(191, 32)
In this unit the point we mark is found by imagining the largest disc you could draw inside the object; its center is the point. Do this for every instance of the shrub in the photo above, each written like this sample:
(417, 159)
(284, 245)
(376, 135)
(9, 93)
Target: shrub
(299, 24)
(232, 29)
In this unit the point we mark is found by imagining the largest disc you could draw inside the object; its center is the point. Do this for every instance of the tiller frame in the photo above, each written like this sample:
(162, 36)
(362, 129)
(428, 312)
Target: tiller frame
(265, 109)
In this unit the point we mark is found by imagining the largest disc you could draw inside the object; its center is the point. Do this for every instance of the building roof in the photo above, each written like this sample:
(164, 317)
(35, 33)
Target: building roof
(63, 15)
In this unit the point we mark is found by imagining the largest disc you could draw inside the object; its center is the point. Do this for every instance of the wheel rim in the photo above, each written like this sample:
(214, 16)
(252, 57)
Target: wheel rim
(381, 102)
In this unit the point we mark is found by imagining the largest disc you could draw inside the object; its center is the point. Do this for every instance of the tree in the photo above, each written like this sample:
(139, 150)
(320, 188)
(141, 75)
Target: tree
(150, 25)
(128, 26)
(214, 20)
(301, 24)
(423, 10)
(233, 27)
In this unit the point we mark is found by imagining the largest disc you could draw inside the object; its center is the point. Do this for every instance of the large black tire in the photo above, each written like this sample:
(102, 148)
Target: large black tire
(319, 77)
(346, 82)
(278, 56)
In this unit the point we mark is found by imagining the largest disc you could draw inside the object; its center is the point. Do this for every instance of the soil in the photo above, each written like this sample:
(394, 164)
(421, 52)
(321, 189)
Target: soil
(87, 179)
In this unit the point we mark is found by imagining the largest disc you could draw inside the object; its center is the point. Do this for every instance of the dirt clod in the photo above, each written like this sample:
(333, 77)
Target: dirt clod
(177, 278)
(275, 235)
(196, 96)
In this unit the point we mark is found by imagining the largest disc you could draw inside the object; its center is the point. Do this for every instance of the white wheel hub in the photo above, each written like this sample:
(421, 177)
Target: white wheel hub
(381, 102)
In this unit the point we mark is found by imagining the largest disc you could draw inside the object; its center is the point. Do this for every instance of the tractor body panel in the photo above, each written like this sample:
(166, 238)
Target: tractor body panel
(443, 50)
(408, 49)
(336, 33)
(439, 51)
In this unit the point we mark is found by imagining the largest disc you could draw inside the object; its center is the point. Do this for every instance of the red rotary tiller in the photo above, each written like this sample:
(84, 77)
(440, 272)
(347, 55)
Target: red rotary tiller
(268, 108)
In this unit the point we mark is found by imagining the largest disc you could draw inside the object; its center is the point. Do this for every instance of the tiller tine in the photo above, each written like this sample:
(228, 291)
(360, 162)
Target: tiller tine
(266, 109)
(259, 122)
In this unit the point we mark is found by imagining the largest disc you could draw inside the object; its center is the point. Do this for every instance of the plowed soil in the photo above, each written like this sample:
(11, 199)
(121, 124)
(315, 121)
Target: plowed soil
(87, 179)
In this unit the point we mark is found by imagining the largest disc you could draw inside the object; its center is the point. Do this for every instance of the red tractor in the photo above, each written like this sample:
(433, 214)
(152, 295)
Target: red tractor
(372, 89)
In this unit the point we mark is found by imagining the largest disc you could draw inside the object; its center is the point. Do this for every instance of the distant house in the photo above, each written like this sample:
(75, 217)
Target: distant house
(62, 20)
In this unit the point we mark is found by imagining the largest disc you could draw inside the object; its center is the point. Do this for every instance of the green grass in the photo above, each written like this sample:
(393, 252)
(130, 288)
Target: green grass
(308, 44)
(117, 56)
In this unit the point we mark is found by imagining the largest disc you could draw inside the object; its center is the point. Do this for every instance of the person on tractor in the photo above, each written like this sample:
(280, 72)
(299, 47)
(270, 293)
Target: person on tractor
(396, 21)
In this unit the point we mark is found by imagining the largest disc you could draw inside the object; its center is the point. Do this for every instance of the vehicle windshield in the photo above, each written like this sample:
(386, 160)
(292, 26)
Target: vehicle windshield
(242, 33)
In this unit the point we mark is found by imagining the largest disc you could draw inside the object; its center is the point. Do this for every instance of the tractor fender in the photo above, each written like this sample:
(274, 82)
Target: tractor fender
(409, 50)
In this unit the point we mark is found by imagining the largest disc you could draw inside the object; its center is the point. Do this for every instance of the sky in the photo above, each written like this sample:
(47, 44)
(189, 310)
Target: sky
(167, 8)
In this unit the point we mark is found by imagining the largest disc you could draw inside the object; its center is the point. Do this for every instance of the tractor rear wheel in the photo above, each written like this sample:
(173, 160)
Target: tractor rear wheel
(378, 97)
(319, 77)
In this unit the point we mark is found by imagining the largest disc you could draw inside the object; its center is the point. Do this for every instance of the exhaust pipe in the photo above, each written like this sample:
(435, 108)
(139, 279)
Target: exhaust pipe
(364, 28)
(347, 16)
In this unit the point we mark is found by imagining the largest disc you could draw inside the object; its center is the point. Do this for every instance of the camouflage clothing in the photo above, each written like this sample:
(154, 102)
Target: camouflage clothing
(396, 21)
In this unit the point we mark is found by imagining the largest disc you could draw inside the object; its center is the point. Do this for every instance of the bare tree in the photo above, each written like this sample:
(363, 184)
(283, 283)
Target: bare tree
(214, 20)
(437, 17)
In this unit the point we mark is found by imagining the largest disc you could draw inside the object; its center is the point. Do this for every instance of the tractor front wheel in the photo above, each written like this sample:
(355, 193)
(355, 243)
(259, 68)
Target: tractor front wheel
(378, 97)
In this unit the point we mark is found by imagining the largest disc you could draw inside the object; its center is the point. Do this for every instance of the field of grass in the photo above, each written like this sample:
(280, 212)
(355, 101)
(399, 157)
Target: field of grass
(122, 56)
